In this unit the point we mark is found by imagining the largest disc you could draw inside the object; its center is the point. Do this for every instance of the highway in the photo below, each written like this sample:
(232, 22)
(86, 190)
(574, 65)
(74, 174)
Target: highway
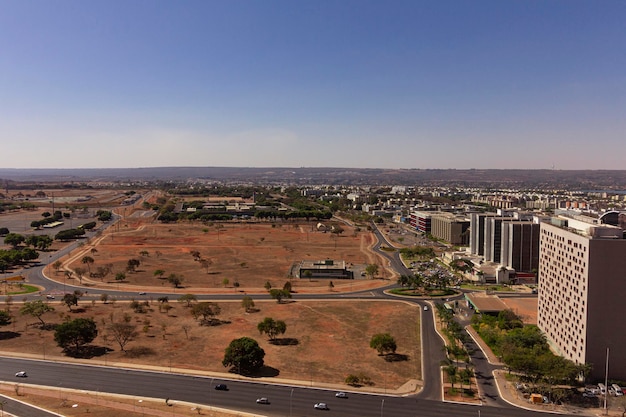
(284, 400)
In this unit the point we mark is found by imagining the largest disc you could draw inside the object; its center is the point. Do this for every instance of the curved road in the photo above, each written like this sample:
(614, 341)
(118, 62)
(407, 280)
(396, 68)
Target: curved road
(285, 400)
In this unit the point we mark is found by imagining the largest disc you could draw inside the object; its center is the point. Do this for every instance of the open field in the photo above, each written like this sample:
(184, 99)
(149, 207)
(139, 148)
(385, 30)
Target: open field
(176, 340)
(249, 254)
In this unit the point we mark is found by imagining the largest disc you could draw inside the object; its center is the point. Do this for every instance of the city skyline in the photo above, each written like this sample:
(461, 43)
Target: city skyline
(405, 84)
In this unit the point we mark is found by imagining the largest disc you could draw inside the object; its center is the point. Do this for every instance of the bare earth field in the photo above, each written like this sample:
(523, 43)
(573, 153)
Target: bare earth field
(247, 253)
(313, 330)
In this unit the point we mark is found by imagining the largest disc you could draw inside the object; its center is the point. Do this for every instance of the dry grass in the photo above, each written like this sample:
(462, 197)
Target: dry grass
(249, 254)
(313, 329)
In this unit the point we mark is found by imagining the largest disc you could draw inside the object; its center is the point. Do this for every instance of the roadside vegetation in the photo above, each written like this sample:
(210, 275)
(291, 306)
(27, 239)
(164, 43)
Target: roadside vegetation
(526, 353)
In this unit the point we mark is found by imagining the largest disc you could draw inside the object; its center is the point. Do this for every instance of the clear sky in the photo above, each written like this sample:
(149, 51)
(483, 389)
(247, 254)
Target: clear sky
(314, 83)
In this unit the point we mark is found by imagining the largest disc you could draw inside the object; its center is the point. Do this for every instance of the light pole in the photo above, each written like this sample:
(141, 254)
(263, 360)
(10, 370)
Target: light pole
(290, 401)
(606, 381)
(210, 384)
(382, 405)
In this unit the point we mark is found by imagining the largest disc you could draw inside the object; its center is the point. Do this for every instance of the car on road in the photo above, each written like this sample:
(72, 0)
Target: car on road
(262, 400)
(221, 387)
(50, 297)
(142, 293)
(21, 374)
(321, 406)
(425, 308)
(341, 394)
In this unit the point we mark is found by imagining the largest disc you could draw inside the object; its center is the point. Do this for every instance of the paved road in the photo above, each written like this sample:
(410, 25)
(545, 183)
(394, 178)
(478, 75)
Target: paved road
(20, 409)
(285, 400)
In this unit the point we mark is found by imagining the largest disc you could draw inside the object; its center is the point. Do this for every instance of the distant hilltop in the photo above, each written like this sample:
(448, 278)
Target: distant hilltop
(501, 178)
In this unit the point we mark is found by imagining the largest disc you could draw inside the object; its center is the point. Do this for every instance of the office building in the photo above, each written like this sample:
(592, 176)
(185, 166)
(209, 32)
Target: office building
(582, 290)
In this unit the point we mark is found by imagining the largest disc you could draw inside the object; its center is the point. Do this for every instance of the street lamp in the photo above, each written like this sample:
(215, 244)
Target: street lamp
(210, 384)
(382, 405)
(606, 381)
(290, 400)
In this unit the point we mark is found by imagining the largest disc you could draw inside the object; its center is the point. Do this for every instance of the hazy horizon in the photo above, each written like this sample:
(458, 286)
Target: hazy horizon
(348, 84)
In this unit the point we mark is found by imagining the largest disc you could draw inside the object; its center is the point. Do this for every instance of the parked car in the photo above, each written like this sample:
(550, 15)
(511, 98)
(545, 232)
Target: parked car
(221, 387)
(618, 390)
(320, 406)
(21, 374)
(341, 394)
(262, 400)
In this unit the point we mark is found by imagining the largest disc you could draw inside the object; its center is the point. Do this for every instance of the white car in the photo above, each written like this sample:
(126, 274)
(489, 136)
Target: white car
(320, 406)
(21, 374)
(262, 400)
(341, 395)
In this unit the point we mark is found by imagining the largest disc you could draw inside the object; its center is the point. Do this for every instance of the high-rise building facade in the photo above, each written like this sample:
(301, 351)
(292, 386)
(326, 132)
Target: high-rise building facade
(520, 246)
(582, 291)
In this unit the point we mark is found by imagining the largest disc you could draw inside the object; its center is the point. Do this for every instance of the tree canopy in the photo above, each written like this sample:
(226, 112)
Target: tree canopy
(205, 311)
(271, 327)
(383, 343)
(244, 355)
(73, 335)
(36, 309)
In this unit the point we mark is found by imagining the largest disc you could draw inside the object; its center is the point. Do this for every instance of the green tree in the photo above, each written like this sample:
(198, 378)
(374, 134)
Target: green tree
(278, 295)
(247, 303)
(73, 335)
(132, 265)
(371, 270)
(120, 276)
(5, 318)
(244, 355)
(159, 273)
(36, 309)
(268, 285)
(175, 279)
(271, 327)
(70, 299)
(187, 299)
(14, 239)
(87, 260)
(384, 343)
(205, 311)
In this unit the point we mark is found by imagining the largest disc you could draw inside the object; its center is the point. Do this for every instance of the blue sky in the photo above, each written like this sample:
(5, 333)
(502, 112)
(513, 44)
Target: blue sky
(353, 83)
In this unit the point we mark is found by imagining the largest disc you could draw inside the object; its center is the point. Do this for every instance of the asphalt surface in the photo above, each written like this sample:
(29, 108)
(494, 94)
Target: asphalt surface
(284, 400)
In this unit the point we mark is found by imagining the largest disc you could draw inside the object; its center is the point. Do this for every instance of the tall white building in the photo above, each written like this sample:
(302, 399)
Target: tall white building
(582, 292)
